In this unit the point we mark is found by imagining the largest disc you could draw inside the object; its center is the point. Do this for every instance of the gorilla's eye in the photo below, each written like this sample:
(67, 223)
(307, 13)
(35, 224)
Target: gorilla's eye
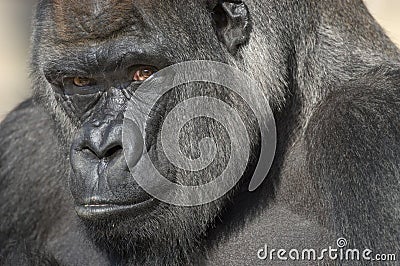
(143, 73)
(83, 82)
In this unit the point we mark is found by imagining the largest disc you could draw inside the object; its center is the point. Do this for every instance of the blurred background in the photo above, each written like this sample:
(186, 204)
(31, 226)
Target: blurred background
(14, 45)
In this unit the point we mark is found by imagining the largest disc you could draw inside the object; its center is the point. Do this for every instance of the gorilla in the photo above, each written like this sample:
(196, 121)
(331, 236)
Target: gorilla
(332, 80)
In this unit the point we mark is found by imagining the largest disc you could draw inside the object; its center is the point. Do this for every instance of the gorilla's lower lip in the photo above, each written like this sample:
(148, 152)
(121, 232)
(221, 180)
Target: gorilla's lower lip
(98, 211)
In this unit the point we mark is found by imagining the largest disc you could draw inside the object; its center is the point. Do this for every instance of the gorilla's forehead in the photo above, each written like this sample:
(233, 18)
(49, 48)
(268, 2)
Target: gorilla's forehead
(93, 19)
(75, 36)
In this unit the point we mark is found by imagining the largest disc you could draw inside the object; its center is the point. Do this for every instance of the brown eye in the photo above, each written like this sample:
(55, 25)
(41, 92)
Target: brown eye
(83, 82)
(143, 73)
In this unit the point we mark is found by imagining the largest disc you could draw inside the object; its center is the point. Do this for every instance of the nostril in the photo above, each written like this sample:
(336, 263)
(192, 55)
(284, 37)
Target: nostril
(113, 152)
(108, 154)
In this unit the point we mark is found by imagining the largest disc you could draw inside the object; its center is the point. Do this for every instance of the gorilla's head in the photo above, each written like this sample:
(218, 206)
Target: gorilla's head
(88, 59)
(90, 56)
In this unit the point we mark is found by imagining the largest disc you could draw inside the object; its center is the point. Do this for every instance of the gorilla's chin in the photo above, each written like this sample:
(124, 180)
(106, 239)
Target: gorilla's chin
(139, 233)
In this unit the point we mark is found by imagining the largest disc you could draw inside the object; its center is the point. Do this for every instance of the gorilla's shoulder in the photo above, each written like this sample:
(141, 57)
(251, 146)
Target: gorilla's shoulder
(361, 119)
(354, 146)
(22, 118)
(27, 145)
(31, 170)
(24, 129)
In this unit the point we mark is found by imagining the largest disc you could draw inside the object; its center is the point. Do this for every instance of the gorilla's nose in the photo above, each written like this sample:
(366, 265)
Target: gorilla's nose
(99, 167)
(101, 145)
(106, 147)
(104, 142)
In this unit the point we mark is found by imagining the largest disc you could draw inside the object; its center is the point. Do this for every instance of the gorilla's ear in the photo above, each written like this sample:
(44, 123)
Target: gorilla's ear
(232, 23)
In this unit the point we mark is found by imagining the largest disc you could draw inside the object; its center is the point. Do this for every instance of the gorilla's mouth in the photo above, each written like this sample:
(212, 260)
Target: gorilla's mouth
(94, 211)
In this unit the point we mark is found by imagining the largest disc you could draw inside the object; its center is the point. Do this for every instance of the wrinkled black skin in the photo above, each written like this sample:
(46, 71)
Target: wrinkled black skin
(336, 101)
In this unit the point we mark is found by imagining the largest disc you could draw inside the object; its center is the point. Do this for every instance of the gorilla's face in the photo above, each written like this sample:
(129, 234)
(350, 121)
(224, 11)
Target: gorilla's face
(93, 56)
